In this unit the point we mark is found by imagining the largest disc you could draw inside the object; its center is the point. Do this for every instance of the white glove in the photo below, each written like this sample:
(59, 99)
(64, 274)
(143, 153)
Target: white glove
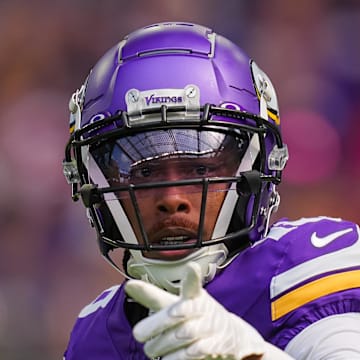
(194, 326)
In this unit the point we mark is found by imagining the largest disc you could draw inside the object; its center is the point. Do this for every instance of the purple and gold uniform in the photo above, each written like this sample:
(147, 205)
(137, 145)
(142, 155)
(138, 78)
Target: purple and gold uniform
(303, 271)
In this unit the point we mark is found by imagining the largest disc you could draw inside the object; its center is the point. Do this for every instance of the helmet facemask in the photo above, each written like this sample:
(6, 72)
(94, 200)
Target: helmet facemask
(152, 174)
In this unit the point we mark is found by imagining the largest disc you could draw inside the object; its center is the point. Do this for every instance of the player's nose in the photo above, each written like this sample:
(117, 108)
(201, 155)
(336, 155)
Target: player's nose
(172, 202)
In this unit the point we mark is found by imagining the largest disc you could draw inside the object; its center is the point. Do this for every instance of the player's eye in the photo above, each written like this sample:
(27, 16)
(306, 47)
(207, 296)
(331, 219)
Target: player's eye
(145, 172)
(201, 170)
(140, 173)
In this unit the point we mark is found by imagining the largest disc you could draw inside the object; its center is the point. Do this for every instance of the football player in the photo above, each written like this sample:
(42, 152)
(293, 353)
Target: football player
(176, 152)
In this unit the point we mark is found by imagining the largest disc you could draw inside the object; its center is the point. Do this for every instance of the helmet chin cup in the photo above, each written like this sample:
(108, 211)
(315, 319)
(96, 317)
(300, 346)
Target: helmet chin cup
(168, 274)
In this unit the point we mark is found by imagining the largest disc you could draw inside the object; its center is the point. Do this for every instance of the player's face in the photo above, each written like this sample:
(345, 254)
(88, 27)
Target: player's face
(171, 215)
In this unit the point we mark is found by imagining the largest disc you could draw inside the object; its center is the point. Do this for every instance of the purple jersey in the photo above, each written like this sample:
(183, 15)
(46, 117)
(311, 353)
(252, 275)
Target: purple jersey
(303, 271)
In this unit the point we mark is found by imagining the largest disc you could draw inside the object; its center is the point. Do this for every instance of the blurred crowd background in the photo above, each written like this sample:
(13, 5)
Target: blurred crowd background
(50, 266)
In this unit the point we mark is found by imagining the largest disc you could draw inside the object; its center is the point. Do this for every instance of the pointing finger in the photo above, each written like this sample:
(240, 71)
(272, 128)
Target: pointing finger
(192, 283)
(149, 295)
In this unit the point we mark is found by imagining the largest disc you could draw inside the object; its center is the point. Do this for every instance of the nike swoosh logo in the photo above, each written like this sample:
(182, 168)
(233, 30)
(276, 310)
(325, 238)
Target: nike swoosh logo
(320, 242)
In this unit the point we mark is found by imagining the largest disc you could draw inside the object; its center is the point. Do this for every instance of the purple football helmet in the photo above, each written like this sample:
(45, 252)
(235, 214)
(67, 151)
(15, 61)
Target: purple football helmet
(165, 94)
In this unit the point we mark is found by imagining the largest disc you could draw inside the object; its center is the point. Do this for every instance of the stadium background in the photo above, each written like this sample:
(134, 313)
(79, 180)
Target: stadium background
(49, 262)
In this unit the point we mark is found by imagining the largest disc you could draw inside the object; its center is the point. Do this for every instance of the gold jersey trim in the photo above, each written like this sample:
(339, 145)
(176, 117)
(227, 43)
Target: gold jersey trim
(313, 290)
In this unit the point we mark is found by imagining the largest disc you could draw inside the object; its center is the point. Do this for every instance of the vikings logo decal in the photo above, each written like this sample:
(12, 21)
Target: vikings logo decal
(265, 92)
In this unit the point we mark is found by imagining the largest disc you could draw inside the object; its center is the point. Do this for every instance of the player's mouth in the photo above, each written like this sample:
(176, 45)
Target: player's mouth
(174, 240)
(172, 237)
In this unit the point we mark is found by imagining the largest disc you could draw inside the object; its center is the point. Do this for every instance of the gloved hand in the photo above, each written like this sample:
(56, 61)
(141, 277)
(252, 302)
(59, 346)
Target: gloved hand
(194, 325)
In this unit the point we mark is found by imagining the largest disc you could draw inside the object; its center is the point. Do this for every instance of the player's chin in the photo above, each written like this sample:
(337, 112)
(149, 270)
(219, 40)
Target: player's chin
(168, 255)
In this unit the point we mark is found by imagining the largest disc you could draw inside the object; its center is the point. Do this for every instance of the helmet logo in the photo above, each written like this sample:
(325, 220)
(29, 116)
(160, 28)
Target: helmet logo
(139, 102)
(266, 94)
(162, 99)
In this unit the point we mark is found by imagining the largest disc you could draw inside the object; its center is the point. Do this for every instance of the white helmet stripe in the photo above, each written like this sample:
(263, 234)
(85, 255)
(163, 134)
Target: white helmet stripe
(112, 202)
(232, 196)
